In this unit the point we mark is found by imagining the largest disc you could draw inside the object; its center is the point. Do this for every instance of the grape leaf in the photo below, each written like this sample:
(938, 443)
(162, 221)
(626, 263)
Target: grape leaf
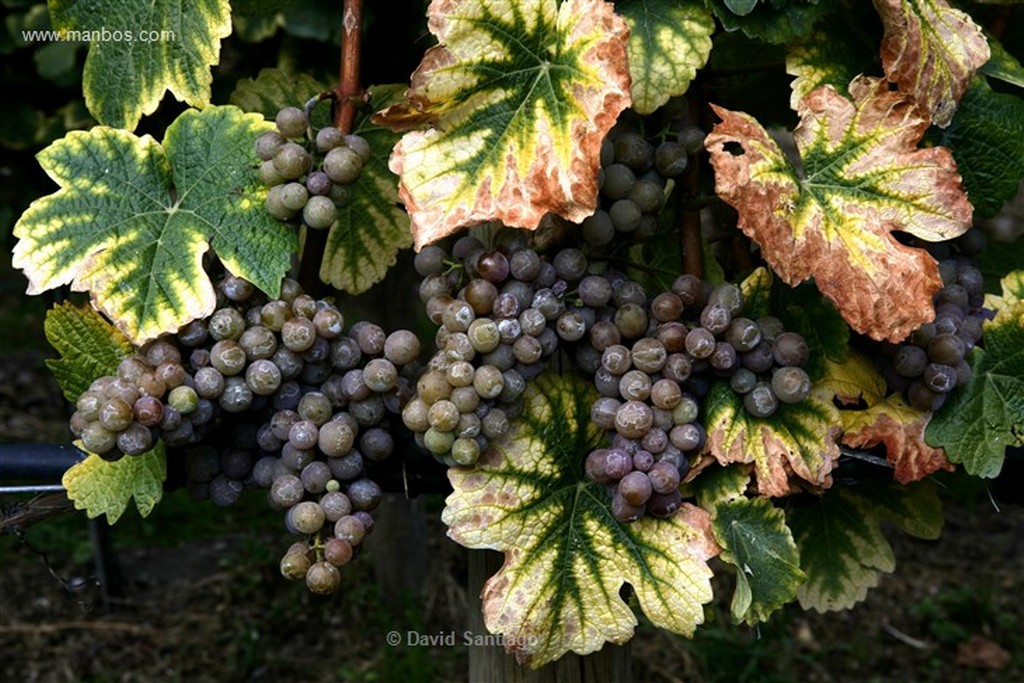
(754, 539)
(998, 259)
(274, 89)
(798, 439)
(838, 50)
(986, 137)
(778, 21)
(668, 42)
(172, 46)
(862, 178)
(930, 50)
(979, 421)
(133, 219)
(519, 98)
(884, 420)
(88, 345)
(1002, 66)
(842, 549)
(364, 241)
(566, 557)
(105, 488)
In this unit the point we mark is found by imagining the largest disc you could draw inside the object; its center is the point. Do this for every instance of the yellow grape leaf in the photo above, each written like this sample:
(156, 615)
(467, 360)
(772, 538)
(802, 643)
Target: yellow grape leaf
(885, 420)
(799, 440)
(668, 41)
(566, 557)
(101, 487)
(931, 50)
(862, 178)
(519, 97)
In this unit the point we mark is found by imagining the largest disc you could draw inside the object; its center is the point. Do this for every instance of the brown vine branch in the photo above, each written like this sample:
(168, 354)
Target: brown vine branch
(348, 95)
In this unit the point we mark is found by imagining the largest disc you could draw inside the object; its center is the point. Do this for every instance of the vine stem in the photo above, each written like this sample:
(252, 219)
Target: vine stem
(347, 95)
(693, 251)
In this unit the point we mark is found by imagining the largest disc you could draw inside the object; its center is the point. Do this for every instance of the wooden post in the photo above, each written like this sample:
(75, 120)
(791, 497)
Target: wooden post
(401, 559)
(491, 664)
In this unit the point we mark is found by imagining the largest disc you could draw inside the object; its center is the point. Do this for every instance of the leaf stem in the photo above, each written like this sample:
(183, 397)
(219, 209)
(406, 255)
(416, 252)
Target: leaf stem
(348, 95)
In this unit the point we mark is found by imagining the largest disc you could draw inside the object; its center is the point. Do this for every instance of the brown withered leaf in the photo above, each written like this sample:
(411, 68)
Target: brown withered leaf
(931, 50)
(862, 179)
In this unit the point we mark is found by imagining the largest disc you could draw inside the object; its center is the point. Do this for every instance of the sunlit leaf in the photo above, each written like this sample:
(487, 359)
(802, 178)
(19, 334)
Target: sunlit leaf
(862, 177)
(105, 488)
(980, 420)
(668, 41)
(798, 440)
(519, 97)
(88, 345)
(931, 50)
(566, 557)
(842, 47)
(159, 45)
(842, 549)
(133, 219)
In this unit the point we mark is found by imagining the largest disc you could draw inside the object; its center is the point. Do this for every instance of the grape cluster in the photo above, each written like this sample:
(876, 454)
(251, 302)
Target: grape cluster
(309, 176)
(633, 177)
(502, 312)
(931, 362)
(654, 363)
(124, 413)
(274, 394)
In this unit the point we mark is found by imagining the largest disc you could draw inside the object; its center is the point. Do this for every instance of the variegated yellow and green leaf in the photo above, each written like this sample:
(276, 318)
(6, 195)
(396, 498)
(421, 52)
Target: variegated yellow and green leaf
(887, 420)
(979, 421)
(133, 218)
(566, 557)
(668, 41)
(364, 241)
(517, 98)
(101, 487)
(754, 539)
(837, 51)
(931, 50)
(798, 440)
(88, 345)
(163, 45)
(842, 549)
(862, 177)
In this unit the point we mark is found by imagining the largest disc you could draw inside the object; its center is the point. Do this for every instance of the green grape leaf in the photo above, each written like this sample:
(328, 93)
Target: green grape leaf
(979, 421)
(157, 46)
(717, 485)
(274, 89)
(930, 50)
(837, 51)
(883, 419)
(133, 219)
(364, 241)
(105, 488)
(801, 309)
(88, 345)
(668, 41)
(862, 177)
(566, 557)
(778, 21)
(1002, 66)
(842, 548)
(755, 539)
(986, 137)
(798, 440)
(518, 98)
